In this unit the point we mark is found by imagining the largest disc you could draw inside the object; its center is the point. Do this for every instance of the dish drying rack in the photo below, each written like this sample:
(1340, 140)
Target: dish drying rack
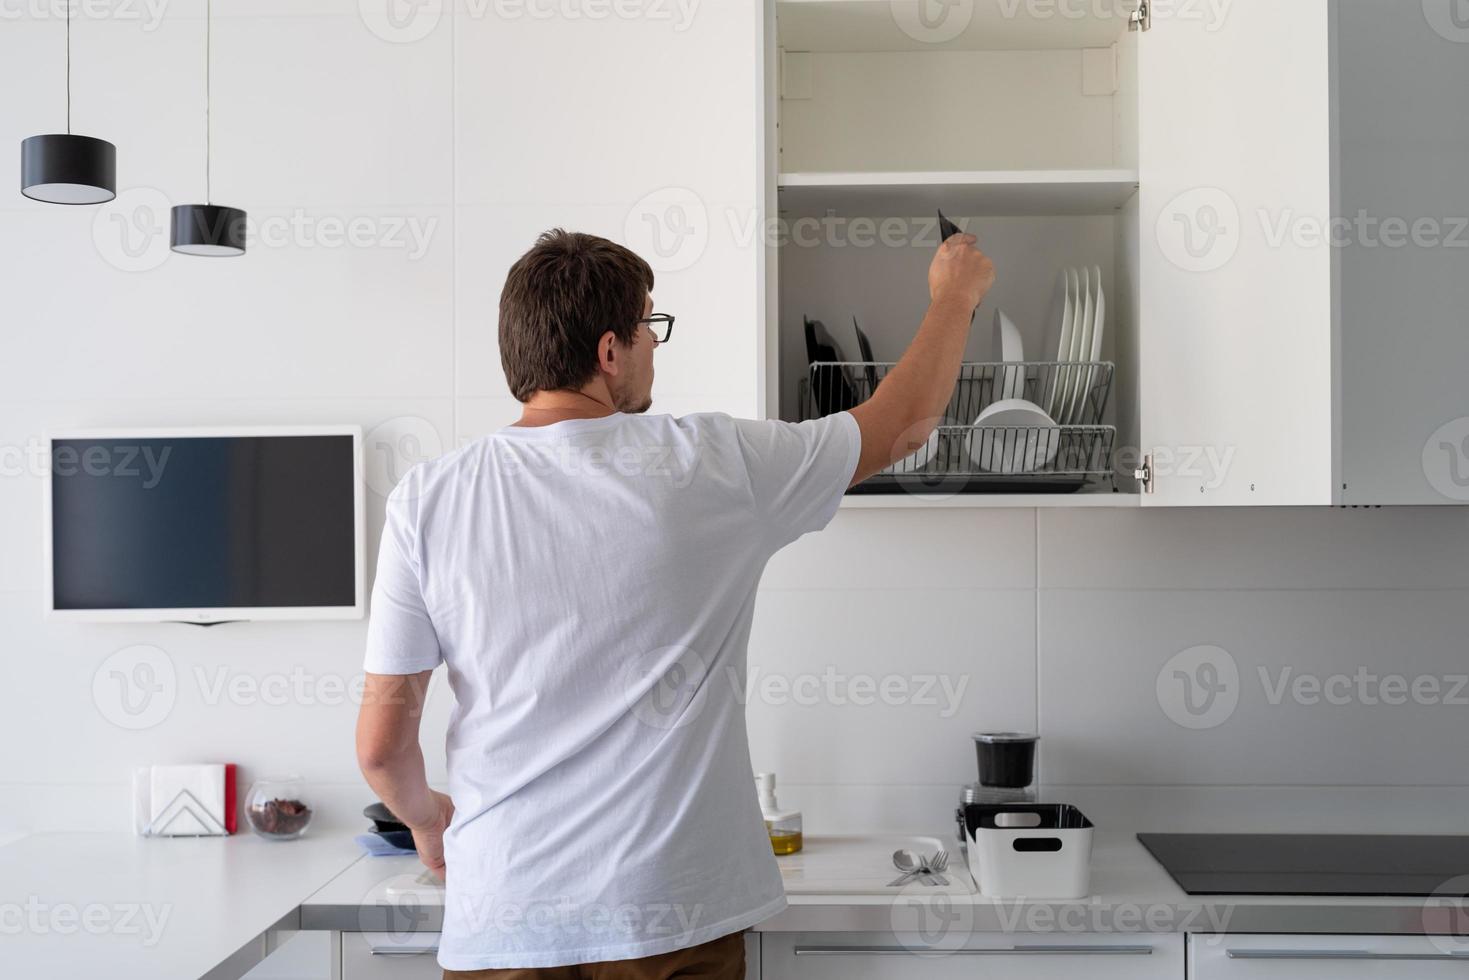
(967, 458)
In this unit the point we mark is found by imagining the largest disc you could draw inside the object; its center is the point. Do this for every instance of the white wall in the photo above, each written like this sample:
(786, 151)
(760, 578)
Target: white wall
(483, 132)
(445, 143)
(1066, 621)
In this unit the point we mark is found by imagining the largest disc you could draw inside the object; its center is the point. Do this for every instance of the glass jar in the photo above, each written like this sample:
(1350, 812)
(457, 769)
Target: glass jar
(278, 808)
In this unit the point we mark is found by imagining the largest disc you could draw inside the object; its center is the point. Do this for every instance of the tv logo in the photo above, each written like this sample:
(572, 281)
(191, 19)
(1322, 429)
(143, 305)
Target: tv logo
(1199, 688)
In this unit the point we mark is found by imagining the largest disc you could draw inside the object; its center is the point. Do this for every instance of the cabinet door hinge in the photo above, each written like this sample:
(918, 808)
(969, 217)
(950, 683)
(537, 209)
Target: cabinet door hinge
(1141, 19)
(1144, 476)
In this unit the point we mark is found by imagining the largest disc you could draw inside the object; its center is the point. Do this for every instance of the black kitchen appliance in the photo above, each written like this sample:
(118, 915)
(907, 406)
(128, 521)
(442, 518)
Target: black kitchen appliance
(1387, 865)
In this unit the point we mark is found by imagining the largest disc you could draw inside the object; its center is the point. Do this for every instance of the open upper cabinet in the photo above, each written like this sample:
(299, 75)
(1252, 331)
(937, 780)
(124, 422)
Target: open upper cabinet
(1178, 157)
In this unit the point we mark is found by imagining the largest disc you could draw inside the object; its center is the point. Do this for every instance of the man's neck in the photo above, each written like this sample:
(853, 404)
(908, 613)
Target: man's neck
(550, 407)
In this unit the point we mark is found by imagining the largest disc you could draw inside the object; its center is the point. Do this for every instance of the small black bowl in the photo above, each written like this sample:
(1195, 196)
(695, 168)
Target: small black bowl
(383, 820)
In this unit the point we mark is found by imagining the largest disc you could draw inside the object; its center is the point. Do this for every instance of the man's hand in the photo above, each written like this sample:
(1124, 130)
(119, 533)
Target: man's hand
(429, 838)
(960, 271)
(388, 753)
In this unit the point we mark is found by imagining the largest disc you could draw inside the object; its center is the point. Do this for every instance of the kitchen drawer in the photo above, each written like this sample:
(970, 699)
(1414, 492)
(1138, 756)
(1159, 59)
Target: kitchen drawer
(1018, 956)
(1325, 958)
(390, 956)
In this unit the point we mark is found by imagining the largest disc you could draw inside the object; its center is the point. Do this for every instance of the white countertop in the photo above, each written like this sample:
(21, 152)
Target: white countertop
(122, 906)
(1130, 892)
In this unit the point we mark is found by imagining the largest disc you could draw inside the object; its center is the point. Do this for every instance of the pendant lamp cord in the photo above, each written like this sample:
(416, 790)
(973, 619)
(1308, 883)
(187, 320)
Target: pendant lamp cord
(208, 99)
(68, 68)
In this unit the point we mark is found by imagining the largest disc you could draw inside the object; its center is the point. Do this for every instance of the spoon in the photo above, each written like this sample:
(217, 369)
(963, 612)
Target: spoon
(905, 861)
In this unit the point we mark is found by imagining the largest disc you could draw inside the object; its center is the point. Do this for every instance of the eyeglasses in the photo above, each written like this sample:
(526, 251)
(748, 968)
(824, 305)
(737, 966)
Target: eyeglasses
(662, 326)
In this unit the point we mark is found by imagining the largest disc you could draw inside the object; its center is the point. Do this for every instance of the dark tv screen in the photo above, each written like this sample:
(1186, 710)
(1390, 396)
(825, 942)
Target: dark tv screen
(203, 522)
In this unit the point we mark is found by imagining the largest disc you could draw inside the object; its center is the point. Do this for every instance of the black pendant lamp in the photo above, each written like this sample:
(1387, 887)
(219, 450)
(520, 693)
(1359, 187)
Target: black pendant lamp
(207, 229)
(62, 168)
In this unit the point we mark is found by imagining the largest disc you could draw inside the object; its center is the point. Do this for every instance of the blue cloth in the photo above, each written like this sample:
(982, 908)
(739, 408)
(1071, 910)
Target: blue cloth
(375, 846)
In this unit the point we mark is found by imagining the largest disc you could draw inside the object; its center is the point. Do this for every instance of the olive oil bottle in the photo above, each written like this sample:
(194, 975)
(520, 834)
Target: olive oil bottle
(784, 826)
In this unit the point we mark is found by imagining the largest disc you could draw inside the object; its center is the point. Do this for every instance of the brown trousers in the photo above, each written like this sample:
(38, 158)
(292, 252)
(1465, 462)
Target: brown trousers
(721, 959)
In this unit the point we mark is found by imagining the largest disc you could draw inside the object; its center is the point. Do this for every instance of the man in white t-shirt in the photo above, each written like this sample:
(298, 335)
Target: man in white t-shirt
(587, 576)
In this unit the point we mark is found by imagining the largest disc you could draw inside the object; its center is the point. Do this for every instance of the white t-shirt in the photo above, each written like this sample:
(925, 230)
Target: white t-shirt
(590, 586)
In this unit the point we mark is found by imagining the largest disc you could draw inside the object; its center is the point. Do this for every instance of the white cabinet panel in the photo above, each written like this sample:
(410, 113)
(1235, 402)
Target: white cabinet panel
(872, 956)
(390, 956)
(1235, 342)
(629, 152)
(1326, 958)
(1403, 207)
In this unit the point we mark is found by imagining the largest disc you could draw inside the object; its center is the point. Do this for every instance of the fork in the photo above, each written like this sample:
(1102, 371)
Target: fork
(936, 866)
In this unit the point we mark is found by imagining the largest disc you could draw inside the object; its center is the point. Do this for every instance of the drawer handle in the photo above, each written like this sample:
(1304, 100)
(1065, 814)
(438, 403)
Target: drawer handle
(403, 951)
(1340, 954)
(1011, 951)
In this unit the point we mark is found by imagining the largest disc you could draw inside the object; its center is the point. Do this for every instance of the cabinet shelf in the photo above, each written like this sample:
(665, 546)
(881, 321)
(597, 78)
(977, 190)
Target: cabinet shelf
(996, 501)
(960, 193)
(909, 25)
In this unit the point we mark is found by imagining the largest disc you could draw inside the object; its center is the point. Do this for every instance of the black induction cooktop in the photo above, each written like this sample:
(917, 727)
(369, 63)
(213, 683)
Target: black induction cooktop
(1398, 866)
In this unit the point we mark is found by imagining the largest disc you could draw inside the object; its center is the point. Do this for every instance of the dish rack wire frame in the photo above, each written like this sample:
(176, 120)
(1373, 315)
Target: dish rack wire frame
(1082, 447)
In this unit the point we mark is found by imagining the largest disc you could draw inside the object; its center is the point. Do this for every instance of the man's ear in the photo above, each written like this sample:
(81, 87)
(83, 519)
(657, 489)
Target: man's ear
(607, 354)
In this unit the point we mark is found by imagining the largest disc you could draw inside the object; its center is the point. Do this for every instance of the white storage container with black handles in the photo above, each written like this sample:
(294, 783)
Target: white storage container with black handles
(1029, 850)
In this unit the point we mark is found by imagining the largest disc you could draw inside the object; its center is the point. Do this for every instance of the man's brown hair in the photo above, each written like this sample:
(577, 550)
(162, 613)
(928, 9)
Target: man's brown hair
(558, 300)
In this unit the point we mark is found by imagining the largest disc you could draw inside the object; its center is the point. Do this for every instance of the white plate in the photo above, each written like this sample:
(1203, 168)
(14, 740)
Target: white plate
(1081, 349)
(1066, 305)
(1009, 348)
(1099, 327)
(1011, 453)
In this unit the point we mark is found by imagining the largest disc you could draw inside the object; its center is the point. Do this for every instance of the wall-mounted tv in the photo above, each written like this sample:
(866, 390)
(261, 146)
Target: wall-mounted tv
(205, 525)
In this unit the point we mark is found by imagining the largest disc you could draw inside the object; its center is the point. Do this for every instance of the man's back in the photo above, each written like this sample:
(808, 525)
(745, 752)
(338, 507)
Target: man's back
(588, 576)
(590, 586)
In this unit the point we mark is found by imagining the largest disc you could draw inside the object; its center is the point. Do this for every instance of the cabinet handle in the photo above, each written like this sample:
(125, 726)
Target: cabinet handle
(1340, 954)
(402, 951)
(1030, 950)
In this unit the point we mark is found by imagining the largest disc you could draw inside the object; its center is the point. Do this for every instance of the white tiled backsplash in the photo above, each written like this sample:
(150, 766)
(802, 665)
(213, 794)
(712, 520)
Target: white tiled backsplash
(1345, 629)
(881, 644)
